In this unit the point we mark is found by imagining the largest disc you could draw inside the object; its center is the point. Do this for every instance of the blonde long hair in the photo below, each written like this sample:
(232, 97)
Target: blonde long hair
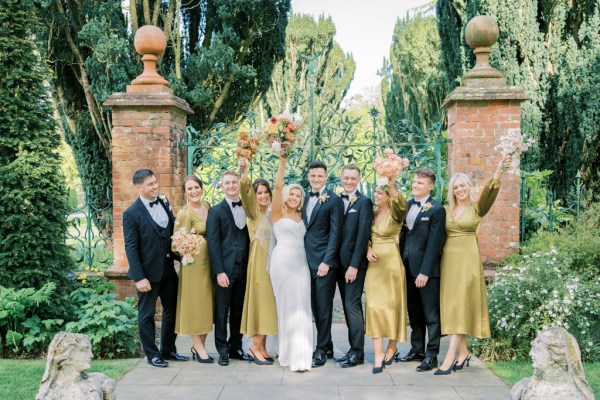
(465, 178)
(286, 195)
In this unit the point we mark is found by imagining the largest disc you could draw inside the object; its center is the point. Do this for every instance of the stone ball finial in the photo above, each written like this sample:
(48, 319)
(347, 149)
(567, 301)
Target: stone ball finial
(482, 31)
(150, 41)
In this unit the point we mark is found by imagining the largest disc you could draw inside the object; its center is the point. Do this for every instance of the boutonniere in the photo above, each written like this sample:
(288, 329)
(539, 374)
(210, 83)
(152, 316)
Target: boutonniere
(427, 206)
(323, 198)
(353, 199)
(163, 198)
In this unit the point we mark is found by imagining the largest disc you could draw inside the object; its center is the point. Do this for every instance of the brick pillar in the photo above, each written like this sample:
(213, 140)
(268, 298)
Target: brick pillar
(482, 109)
(148, 123)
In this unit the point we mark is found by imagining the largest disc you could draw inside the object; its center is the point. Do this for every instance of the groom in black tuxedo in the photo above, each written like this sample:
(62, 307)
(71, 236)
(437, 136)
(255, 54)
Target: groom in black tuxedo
(421, 243)
(147, 229)
(352, 269)
(322, 214)
(228, 247)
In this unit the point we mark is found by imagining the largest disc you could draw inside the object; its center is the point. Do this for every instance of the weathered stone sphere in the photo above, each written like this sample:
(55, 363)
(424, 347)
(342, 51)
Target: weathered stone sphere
(150, 39)
(482, 31)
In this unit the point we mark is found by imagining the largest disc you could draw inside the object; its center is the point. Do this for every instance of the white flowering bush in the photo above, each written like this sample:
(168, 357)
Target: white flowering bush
(541, 290)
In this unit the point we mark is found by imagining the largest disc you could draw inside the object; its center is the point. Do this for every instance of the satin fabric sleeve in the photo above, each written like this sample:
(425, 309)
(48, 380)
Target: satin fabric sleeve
(398, 208)
(248, 197)
(488, 196)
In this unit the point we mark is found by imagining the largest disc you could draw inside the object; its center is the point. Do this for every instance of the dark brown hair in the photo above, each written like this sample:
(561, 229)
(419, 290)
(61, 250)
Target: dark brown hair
(260, 181)
(192, 178)
(426, 172)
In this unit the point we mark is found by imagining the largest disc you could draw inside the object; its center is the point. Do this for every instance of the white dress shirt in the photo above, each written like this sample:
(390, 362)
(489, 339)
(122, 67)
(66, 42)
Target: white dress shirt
(312, 202)
(157, 212)
(239, 215)
(414, 211)
(347, 200)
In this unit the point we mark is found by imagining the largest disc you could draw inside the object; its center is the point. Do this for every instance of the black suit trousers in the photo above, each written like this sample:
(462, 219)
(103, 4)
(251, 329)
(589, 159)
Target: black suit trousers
(229, 301)
(322, 290)
(351, 294)
(166, 290)
(424, 315)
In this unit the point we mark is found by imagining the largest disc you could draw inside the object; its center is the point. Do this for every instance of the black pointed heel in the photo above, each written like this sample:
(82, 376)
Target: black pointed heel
(391, 360)
(378, 370)
(462, 364)
(252, 357)
(446, 372)
(196, 357)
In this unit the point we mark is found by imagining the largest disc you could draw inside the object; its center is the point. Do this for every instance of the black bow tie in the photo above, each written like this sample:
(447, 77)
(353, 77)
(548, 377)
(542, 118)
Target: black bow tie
(417, 203)
(315, 194)
(345, 196)
(236, 204)
(153, 203)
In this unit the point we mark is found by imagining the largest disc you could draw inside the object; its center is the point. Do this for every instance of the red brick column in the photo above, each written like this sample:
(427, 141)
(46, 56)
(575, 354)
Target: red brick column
(482, 109)
(148, 123)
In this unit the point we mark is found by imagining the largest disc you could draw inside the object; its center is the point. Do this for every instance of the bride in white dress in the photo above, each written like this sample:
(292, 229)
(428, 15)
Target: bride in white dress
(290, 276)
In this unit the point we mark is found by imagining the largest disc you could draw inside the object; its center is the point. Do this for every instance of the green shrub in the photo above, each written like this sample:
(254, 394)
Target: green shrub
(110, 324)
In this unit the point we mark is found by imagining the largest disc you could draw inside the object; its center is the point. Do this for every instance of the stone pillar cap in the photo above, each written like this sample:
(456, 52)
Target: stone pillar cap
(150, 41)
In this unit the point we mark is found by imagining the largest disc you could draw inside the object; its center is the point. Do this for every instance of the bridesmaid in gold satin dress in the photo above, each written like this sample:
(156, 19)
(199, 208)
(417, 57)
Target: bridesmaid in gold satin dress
(385, 284)
(463, 298)
(195, 296)
(259, 315)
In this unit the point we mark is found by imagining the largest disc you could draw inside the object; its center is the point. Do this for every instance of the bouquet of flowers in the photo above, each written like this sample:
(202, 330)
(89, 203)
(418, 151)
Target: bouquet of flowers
(513, 144)
(187, 244)
(280, 132)
(389, 168)
(248, 146)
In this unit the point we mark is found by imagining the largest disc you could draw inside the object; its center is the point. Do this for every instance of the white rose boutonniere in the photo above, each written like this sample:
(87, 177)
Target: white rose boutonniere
(353, 199)
(427, 206)
(323, 198)
(163, 198)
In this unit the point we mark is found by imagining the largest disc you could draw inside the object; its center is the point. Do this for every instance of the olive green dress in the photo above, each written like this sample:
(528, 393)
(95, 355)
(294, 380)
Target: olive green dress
(195, 296)
(463, 298)
(259, 316)
(385, 284)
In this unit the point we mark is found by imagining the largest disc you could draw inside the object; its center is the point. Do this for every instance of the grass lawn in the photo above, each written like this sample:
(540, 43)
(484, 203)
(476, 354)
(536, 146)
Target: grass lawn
(512, 371)
(20, 379)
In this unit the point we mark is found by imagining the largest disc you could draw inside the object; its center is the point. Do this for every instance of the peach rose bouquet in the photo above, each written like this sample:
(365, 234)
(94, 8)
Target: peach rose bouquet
(187, 244)
(281, 132)
(248, 146)
(389, 167)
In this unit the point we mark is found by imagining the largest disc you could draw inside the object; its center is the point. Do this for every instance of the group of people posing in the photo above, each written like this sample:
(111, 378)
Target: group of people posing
(273, 256)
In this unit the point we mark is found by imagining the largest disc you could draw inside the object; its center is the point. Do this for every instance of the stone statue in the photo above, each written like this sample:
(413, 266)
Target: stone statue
(69, 356)
(558, 372)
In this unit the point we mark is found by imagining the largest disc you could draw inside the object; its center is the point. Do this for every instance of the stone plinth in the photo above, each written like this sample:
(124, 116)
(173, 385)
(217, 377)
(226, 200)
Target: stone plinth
(481, 110)
(147, 130)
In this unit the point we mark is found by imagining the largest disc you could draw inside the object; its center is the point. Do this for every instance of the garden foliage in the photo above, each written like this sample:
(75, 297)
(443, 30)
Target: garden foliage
(555, 282)
(33, 206)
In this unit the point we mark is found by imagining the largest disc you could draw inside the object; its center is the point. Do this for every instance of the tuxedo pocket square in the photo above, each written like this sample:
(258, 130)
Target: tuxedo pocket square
(425, 219)
(352, 210)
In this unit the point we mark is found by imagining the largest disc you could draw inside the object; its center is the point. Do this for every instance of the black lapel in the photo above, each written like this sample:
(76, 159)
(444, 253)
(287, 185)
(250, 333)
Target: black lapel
(350, 205)
(169, 213)
(421, 212)
(147, 215)
(315, 210)
(227, 210)
(304, 208)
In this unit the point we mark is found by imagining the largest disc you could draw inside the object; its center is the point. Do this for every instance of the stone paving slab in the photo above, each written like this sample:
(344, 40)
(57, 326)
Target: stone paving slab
(242, 380)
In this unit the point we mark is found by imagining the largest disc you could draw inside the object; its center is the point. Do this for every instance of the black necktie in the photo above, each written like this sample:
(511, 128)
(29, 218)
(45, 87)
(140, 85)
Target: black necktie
(345, 196)
(315, 194)
(153, 203)
(236, 203)
(417, 203)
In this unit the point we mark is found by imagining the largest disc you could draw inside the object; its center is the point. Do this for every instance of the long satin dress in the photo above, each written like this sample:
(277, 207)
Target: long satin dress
(195, 295)
(463, 298)
(385, 283)
(259, 315)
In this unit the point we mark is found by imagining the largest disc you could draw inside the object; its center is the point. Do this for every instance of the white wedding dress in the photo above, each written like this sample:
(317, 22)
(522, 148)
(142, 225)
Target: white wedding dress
(290, 278)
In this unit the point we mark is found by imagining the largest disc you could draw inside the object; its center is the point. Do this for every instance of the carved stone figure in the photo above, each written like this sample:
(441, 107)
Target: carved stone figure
(69, 356)
(558, 372)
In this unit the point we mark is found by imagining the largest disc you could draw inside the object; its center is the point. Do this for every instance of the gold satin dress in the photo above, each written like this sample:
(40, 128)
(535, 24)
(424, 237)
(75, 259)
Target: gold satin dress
(259, 315)
(463, 297)
(385, 283)
(195, 296)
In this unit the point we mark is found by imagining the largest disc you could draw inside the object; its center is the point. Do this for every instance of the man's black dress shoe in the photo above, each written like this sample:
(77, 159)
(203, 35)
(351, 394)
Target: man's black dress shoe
(158, 362)
(329, 353)
(223, 360)
(343, 358)
(410, 356)
(428, 364)
(319, 358)
(352, 361)
(174, 356)
(238, 355)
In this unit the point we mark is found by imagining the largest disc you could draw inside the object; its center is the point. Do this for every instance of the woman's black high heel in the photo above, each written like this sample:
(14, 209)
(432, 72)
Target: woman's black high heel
(446, 372)
(462, 364)
(391, 360)
(196, 357)
(378, 370)
(252, 357)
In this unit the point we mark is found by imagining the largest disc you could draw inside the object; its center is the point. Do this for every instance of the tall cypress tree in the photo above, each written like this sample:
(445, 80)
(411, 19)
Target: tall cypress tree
(33, 199)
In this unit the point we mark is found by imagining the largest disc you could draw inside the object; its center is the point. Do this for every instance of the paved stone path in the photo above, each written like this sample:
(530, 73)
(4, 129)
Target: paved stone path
(244, 381)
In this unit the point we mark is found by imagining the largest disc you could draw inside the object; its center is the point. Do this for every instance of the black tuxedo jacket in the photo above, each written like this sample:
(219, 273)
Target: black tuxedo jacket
(227, 245)
(149, 257)
(356, 233)
(322, 239)
(421, 247)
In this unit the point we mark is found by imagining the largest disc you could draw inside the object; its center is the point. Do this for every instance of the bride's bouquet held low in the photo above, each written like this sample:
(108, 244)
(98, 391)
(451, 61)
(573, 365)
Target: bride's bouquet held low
(187, 244)
(248, 146)
(281, 132)
(388, 168)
